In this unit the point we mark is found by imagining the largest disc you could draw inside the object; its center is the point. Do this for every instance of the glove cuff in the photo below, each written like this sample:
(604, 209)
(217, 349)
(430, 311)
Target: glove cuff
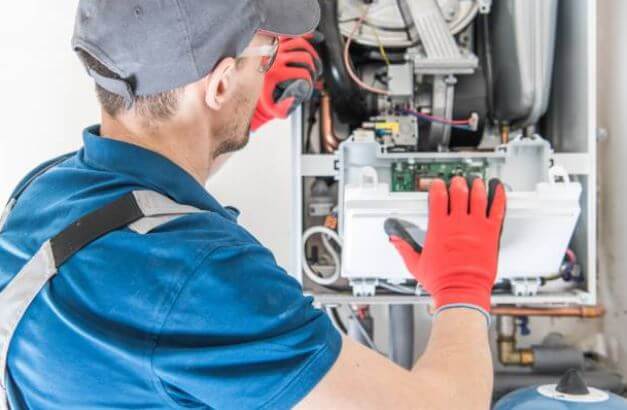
(475, 297)
(479, 309)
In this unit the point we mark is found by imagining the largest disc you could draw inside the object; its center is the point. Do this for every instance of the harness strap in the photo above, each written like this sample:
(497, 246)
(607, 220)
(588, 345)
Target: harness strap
(141, 211)
(90, 227)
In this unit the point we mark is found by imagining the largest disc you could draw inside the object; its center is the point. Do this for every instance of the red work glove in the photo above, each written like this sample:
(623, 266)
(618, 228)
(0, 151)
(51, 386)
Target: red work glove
(289, 82)
(458, 262)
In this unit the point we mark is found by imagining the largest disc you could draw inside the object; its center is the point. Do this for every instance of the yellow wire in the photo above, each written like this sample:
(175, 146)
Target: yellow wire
(381, 48)
(347, 59)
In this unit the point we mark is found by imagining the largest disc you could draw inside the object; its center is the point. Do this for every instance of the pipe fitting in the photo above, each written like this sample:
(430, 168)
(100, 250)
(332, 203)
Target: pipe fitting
(508, 353)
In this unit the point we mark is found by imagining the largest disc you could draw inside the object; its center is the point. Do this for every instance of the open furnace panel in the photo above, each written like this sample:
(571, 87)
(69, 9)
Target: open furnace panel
(424, 89)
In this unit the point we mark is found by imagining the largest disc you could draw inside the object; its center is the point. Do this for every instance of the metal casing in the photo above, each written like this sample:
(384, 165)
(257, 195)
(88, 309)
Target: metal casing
(522, 39)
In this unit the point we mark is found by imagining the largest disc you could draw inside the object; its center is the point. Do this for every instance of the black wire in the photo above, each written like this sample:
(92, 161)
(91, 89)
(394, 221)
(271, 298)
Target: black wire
(381, 78)
(346, 289)
(502, 286)
(487, 60)
(338, 320)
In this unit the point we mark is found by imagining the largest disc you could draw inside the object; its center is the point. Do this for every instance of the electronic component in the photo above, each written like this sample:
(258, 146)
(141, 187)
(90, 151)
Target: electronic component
(403, 177)
(541, 216)
(396, 133)
(427, 91)
(409, 176)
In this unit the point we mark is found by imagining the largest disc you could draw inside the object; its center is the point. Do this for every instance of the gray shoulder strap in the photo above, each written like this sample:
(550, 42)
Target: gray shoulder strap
(17, 296)
(158, 210)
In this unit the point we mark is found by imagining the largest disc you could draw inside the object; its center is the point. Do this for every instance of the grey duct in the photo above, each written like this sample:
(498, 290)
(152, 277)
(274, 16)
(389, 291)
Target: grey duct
(401, 326)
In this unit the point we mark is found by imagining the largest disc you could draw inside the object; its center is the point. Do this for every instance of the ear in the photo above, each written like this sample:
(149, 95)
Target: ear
(218, 85)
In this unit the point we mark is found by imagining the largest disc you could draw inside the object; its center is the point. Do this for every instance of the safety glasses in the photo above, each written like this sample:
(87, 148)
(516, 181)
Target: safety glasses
(268, 54)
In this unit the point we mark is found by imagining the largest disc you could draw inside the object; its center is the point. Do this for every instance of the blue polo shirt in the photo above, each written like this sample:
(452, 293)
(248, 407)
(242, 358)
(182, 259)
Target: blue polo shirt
(196, 314)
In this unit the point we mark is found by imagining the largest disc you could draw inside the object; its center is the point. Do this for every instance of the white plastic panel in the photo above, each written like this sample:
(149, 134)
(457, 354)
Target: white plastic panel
(537, 230)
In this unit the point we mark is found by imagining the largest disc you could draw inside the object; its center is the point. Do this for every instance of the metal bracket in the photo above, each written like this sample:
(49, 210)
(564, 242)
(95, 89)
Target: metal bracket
(364, 287)
(525, 286)
(485, 6)
(441, 53)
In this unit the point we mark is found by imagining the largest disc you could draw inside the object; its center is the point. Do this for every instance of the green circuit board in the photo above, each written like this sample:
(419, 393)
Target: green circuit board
(409, 176)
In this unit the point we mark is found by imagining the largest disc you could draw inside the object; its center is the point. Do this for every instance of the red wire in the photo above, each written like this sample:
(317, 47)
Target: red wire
(441, 119)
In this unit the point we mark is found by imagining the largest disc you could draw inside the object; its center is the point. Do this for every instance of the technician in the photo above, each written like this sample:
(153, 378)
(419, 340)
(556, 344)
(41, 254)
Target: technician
(147, 294)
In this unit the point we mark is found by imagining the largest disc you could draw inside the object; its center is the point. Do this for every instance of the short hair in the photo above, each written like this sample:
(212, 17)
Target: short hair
(160, 106)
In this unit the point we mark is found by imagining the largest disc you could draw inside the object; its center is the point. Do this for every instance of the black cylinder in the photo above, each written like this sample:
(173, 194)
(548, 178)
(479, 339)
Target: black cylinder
(402, 335)
(351, 104)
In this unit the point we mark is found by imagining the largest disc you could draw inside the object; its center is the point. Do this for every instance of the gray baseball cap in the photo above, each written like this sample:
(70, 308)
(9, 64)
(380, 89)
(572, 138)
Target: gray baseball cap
(158, 45)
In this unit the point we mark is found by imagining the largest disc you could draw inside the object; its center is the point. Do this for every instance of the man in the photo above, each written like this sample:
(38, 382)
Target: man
(196, 313)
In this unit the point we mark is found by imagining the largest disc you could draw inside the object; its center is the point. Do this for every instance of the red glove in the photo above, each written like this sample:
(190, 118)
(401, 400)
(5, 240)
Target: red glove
(289, 82)
(458, 263)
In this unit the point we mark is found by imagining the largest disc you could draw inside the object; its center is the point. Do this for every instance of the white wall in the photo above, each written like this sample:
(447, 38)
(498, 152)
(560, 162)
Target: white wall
(47, 100)
(46, 97)
(612, 111)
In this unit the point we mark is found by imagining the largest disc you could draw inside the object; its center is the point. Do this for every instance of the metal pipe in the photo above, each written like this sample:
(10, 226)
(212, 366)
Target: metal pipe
(505, 133)
(585, 312)
(329, 140)
(508, 353)
(401, 327)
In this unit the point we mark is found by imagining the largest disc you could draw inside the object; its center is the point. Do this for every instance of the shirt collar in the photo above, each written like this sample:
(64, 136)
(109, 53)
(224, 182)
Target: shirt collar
(153, 170)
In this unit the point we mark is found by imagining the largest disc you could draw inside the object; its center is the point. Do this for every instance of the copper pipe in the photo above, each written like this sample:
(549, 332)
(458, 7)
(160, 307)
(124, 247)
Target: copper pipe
(329, 140)
(586, 312)
(508, 353)
(504, 133)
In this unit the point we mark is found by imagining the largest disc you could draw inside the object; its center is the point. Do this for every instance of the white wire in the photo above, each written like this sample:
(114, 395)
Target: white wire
(329, 233)
(397, 288)
(326, 243)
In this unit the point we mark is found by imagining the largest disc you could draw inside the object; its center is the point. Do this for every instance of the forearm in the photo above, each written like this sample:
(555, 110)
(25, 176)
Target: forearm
(457, 265)
(457, 362)
(454, 373)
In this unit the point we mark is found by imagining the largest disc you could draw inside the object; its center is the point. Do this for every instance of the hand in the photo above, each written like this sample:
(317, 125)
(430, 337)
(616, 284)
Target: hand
(458, 262)
(289, 82)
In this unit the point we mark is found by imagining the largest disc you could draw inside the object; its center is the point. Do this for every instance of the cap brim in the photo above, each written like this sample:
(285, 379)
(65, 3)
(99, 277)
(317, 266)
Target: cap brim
(290, 17)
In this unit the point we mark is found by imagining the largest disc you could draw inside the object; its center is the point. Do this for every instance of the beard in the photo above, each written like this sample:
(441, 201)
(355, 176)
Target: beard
(235, 133)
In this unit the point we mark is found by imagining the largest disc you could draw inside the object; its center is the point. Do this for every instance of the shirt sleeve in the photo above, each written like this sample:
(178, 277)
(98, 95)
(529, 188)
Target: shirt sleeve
(242, 335)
